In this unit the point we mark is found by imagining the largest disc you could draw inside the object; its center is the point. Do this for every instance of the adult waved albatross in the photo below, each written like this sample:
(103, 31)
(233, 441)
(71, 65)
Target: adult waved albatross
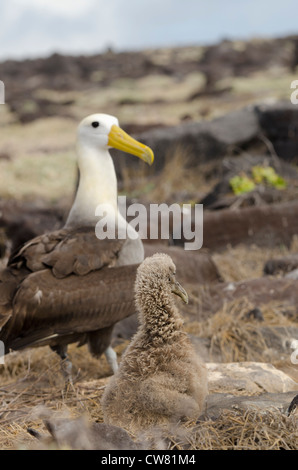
(69, 286)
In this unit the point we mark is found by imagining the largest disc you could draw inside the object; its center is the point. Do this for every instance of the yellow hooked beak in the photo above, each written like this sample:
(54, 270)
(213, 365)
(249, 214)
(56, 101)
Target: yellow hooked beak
(118, 139)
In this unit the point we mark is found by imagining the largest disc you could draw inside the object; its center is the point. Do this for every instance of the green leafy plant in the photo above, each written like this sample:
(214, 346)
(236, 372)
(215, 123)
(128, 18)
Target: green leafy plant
(242, 184)
(268, 175)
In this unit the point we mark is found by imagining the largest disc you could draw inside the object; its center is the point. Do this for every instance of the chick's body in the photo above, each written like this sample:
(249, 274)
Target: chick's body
(160, 379)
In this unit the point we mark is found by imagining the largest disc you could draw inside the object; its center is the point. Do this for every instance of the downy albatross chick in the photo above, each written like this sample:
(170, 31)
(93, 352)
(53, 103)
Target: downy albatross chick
(69, 286)
(160, 378)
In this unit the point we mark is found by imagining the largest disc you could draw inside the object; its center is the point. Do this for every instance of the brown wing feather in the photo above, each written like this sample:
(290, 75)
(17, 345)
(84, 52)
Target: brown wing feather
(64, 252)
(9, 281)
(44, 305)
(67, 251)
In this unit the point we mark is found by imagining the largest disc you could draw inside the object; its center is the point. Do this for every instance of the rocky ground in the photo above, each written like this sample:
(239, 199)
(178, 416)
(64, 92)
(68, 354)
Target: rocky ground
(213, 116)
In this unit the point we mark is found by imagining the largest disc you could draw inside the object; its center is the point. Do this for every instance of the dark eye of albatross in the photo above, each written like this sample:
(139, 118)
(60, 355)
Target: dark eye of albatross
(95, 124)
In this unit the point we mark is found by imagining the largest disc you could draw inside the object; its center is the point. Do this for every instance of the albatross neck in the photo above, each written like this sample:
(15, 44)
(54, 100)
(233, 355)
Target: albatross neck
(97, 185)
(159, 315)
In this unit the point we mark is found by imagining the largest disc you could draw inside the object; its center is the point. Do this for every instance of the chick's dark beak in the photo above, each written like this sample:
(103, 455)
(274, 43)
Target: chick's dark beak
(180, 291)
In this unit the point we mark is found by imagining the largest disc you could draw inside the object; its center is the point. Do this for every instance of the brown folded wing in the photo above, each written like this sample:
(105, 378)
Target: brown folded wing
(45, 307)
(65, 251)
(63, 283)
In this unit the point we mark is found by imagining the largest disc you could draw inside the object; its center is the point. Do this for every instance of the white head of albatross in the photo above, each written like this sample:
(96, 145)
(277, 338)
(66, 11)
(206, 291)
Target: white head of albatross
(98, 133)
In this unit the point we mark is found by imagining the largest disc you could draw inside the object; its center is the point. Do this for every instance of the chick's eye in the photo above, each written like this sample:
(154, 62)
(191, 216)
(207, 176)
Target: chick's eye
(95, 124)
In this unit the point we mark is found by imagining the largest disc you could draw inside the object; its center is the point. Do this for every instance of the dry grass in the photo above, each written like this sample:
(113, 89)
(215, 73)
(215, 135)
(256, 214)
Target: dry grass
(31, 380)
(176, 183)
(42, 162)
(29, 407)
(32, 388)
(235, 338)
(242, 262)
(40, 176)
(241, 430)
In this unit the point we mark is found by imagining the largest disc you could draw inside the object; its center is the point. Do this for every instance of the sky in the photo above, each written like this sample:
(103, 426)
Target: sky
(37, 28)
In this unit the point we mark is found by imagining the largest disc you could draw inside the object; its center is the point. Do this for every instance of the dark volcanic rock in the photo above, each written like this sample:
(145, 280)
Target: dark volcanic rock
(264, 226)
(217, 402)
(244, 129)
(224, 59)
(280, 125)
(281, 265)
(22, 221)
(205, 141)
